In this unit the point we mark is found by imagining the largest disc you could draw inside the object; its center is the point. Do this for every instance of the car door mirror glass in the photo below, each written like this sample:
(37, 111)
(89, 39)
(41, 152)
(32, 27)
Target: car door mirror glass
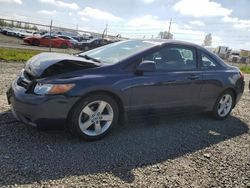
(146, 66)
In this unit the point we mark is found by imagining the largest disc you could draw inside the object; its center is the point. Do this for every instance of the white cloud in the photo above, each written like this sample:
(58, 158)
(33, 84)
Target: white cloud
(15, 16)
(247, 45)
(70, 13)
(201, 8)
(242, 24)
(11, 1)
(194, 36)
(228, 19)
(198, 23)
(97, 14)
(47, 12)
(237, 23)
(216, 41)
(62, 4)
(186, 26)
(149, 25)
(148, 21)
(85, 19)
(148, 1)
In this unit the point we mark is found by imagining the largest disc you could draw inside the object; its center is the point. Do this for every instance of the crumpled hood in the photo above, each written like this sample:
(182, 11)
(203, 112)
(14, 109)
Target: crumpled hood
(38, 64)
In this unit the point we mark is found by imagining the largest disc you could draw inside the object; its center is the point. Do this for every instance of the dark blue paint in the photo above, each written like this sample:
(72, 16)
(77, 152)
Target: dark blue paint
(136, 91)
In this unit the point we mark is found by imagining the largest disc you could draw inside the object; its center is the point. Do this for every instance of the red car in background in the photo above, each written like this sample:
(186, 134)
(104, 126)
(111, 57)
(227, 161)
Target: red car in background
(56, 42)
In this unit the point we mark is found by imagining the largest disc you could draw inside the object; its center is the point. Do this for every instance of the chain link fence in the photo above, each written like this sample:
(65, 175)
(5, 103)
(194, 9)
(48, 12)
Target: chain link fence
(34, 36)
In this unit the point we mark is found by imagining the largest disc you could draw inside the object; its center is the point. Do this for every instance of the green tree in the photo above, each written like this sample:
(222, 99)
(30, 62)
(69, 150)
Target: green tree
(34, 27)
(165, 35)
(18, 25)
(208, 40)
(3, 23)
(26, 26)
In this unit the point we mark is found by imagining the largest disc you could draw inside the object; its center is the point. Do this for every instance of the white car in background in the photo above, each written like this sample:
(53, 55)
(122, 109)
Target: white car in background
(26, 33)
(234, 56)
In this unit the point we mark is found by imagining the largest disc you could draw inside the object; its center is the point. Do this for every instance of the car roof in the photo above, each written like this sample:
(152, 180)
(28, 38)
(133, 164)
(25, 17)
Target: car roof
(170, 41)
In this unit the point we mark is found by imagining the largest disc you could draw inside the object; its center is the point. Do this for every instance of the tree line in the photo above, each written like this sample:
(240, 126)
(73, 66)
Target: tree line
(17, 24)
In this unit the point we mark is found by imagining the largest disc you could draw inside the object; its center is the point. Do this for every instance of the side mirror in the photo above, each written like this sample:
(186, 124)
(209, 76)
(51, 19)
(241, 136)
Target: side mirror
(146, 66)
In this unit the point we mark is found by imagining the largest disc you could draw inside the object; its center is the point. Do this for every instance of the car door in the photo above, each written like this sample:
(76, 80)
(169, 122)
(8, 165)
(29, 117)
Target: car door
(45, 41)
(213, 75)
(176, 83)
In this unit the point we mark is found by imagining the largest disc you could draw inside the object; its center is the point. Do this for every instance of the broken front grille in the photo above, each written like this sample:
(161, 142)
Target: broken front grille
(26, 81)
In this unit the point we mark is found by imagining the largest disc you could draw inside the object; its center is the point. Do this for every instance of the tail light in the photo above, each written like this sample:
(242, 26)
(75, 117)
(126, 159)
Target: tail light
(241, 75)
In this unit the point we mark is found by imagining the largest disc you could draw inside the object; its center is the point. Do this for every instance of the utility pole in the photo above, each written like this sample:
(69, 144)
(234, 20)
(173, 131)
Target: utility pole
(50, 28)
(106, 30)
(169, 28)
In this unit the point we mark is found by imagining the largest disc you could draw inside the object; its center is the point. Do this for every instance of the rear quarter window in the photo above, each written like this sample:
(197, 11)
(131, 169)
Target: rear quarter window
(208, 63)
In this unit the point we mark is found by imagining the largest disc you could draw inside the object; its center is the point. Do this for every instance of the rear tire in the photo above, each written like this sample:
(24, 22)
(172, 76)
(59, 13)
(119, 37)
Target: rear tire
(93, 117)
(224, 105)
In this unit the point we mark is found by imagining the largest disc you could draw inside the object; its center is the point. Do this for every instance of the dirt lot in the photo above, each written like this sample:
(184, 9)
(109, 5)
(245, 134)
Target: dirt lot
(184, 151)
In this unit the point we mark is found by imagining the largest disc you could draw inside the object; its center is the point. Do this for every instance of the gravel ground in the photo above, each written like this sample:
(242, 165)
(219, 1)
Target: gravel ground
(182, 151)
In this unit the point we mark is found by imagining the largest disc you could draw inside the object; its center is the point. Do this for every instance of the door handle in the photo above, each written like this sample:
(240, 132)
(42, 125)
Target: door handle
(193, 77)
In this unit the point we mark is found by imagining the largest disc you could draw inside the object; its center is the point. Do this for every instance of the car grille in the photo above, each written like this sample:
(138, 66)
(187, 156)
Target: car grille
(26, 80)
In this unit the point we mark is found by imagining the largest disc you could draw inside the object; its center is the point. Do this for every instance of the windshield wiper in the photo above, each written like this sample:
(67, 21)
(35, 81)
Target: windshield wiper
(90, 58)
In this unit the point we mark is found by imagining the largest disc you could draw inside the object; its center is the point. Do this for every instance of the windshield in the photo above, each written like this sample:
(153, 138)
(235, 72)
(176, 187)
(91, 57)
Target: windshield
(114, 53)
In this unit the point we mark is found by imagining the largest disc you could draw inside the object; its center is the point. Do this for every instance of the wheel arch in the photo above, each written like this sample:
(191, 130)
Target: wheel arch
(234, 93)
(117, 99)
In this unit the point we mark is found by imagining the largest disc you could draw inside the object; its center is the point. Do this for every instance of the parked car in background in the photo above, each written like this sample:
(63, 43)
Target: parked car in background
(82, 38)
(234, 56)
(45, 40)
(12, 32)
(5, 30)
(93, 43)
(23, 33)
(91, 91)
(73, 41)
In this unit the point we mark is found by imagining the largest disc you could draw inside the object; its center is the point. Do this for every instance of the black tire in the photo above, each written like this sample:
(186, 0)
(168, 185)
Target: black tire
(35, 42)
(73, 119)
(215, 111)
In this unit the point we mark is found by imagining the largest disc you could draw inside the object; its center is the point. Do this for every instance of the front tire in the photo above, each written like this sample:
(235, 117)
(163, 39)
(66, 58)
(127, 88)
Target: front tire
(35, 42)
(224, 105)
(94, 117)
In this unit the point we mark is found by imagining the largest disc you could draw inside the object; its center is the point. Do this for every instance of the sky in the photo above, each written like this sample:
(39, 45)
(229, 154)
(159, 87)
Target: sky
(227, 20)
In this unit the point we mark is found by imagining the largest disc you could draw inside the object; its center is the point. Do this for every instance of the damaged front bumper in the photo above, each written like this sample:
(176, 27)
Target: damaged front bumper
(39, 111)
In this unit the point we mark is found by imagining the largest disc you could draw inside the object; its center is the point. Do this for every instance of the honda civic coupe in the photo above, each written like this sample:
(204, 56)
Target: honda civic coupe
(45, 40)
(89, 92)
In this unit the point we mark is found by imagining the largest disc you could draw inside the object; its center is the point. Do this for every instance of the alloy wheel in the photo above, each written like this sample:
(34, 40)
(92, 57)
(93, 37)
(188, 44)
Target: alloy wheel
(95, 118)
(225, 105)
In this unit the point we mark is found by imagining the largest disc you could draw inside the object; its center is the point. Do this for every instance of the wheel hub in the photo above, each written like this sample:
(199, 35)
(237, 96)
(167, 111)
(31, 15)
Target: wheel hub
(95, 118)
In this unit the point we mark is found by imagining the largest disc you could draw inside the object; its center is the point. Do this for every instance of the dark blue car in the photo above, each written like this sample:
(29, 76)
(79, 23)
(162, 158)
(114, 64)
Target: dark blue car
(90, 91)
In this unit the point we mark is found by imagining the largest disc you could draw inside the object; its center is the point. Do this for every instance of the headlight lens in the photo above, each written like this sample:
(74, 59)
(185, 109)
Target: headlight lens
(47, 89)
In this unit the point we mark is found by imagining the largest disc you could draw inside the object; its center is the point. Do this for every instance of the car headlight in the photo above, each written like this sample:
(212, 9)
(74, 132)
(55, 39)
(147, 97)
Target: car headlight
(50, 89)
